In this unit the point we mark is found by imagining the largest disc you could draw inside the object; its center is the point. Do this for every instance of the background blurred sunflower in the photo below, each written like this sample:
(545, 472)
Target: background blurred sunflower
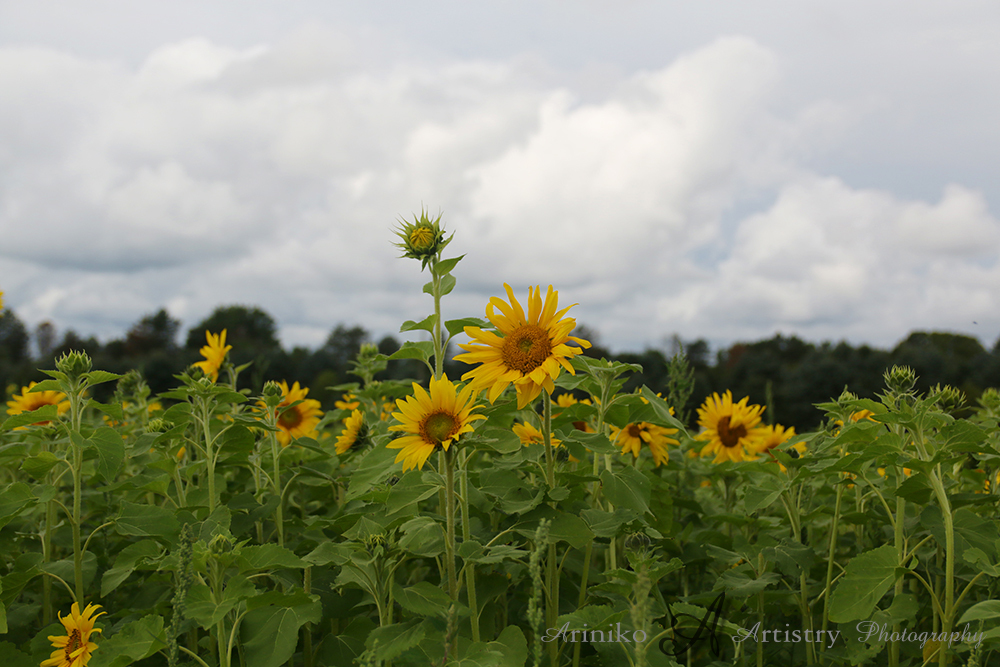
(354, 427)
(731, 429)
(529, 350)
(632, 437)
(28, 401)
(432, 420)
(297, 421)
(214, 353)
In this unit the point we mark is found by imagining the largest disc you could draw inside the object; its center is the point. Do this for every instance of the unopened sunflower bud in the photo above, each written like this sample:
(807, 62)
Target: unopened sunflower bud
(130, 384)
(158, 426)
(900, 379)
(639, 542)
(846, 397)
(990, 400)
(74, 364)
(949, 399)
(421, 239)
(272, 393)
(220, 544)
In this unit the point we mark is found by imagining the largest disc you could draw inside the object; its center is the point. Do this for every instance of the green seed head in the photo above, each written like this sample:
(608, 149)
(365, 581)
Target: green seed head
(74, 364)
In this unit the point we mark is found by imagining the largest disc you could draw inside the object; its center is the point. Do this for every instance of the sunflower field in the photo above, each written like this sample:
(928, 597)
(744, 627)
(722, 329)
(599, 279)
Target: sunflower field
(528, 513)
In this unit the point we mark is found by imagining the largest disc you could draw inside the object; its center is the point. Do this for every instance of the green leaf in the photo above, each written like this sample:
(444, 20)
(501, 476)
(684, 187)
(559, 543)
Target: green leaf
(112, 410)
(136, 641)
(608, 524)
(458, 326)
(408, 490)
(13, 500)
(126, 562)
(147, 521)
(43, 414)
(513, 646)
(446, 265)
(374, 467)
(762, 493)
(422, 599)
(237, 440)
(740, 584)
(328, 552)
(987, 610)
(38, 465)
(10, 656)
(595, 442)
(203, 609)
(268, 556)
(110, 452)
(422, 350)
(422, 536)
(447, 285)
(179, 413)
(100, 377)
(395, 639)
(627, 488)
(270, 634)
(426, 324)
(46, 385)
(866, 580)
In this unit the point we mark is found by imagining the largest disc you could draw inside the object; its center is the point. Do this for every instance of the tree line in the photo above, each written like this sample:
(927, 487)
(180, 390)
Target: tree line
(787, 374)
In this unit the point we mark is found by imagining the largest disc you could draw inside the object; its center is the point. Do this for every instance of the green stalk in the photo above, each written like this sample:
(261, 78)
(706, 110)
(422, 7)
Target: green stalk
(50, 519)
(949, 560)
(75, 419)
(470, 568)
(900, 540)
(551, 576)
(279, 517)
(438, 342)
(449, 509)
(829, 563)
(209, 454)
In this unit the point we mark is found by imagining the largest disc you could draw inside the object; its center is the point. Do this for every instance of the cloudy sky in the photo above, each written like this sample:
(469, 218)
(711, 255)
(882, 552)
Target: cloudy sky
(724, 170)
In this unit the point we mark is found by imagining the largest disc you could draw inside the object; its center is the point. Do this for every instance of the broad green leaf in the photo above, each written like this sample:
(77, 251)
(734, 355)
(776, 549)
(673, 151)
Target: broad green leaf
(136, 641)
(268, 556)
(608, 524)
(328, 552)
(43, 414)
(422, 350)
(203, 609)
(422, 599)
(456, 327)
(426, 324)
(762, 493)
(396, 639)
(447, 285)
(513, 646)
(627, 488)
(270, 634)
(10, 656)
(110, 452)
(147, 521)
(126, 562)
(866, 580)
(100, 377)
(740, 584)
(422, 536)
(13, 500)
(988, 610)
(446, 265)
(112, 410)
(375, 466)
(595, 442)
(46, 385)
(236, 440)
(38, 465)
(408, 490)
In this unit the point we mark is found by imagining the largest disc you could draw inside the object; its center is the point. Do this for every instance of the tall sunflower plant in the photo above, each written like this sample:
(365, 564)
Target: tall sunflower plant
(523, 504)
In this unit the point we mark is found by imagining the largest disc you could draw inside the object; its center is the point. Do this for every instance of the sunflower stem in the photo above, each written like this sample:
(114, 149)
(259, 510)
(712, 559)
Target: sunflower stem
(438, 342)
(449, 509)
(209, 453)
(829, 563)
(470, 568)
(279, 518)
(76, 413)
(552, 603)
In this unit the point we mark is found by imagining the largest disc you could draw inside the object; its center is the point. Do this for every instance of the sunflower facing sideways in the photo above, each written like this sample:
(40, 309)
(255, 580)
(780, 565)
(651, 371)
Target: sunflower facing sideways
(528, 350)
(354, 432)
(731, 429)
(297, 421)
(632, 437)
(432, 420)
(214, 353)
(75, 648)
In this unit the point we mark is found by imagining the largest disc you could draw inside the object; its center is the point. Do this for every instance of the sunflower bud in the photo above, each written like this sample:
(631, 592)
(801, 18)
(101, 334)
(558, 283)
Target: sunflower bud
(949, 399)
(220, 544)
(900, 379)
(422, 239)
(158, 426)
(74, 364)
(272, 393)
(990, 400)
(130, 384)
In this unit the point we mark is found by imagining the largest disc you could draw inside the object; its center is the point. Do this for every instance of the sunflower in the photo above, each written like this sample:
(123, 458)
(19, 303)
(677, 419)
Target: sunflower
(29, 401)
(529, 435)
(75, 648)
(349, 402)
(432, 420)
(569, 400)
(631, 438)
(297, 421)
(529, 350)
(354, 432)
(214, 353)
(774, 436)
(730, 428)
(1, 301)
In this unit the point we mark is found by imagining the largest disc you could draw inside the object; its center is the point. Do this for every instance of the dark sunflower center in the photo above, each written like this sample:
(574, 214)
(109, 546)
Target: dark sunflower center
(634, 430)
(526, 349)
(289, 419)
(72, 645)
(438, 427)
(730, 437)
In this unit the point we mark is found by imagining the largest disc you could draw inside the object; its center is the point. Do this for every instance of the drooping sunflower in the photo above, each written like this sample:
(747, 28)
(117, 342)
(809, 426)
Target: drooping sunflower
(632, 437)
(354, 432)
(349, 402)
(529, 435)
(730, 428)
(75, 648)
(432, 420)
(297, 421)
(530, 350)
(214, 353)
(773, 436)
(29, 401)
